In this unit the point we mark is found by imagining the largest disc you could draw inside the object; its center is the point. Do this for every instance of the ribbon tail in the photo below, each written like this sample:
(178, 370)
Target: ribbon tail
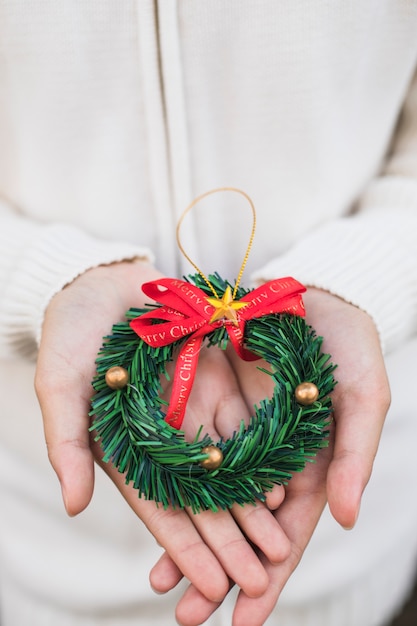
(236, 337)
(183, 381)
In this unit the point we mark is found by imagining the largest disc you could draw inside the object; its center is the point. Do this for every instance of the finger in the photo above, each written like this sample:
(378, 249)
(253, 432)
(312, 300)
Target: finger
(275, 497)
(261, 527)
(232, 549)
(165, 575)
(65, 419)
(194, 608)
(178, 535)
(248, 612)
(298, 516)
(65, 367)
(361, 401)
(359, 418)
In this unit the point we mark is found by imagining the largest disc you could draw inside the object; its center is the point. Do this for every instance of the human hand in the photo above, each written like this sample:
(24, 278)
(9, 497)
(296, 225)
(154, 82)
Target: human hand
(341, 472)
(208, 548)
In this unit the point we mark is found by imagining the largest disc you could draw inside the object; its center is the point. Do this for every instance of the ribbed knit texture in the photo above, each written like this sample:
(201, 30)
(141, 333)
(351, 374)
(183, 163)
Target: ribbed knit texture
(364, 270)
(38, 261)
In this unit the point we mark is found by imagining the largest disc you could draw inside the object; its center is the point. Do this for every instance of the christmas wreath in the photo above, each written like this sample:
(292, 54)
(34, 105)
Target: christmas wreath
(142, 437)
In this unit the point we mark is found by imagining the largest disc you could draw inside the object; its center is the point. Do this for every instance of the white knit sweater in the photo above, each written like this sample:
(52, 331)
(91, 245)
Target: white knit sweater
(115, 115)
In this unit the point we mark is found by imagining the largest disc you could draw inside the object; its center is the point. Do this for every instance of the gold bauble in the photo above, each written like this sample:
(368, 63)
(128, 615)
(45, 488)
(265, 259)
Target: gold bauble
(214, 459)
(117, 377)
(306, 393)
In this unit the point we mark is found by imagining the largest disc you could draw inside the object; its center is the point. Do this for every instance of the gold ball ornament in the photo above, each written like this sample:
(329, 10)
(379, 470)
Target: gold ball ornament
(306, 393)
(117, 377)
(214, 459)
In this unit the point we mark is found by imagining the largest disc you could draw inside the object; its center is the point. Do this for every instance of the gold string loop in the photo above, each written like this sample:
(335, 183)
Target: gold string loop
(249, 246)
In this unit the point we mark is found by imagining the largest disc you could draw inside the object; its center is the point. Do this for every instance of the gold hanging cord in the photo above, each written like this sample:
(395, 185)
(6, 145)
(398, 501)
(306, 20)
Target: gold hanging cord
(249, 246)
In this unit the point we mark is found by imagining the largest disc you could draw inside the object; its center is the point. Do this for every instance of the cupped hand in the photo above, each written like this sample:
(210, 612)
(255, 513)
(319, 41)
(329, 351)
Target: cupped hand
(341, 471)
(209, 548)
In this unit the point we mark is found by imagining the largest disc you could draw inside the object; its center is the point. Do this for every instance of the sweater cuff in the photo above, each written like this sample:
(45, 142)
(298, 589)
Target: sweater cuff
(369, 260)
(49, 258)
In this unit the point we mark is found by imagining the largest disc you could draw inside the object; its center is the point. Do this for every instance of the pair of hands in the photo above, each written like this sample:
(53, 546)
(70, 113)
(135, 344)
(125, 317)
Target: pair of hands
(209, 548)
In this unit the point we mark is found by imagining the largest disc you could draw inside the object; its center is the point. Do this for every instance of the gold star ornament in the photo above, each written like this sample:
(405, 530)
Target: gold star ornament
(226, 307)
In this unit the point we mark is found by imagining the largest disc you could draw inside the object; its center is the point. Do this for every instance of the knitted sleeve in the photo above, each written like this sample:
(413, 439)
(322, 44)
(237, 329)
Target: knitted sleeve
(36, 261)
(369, 258)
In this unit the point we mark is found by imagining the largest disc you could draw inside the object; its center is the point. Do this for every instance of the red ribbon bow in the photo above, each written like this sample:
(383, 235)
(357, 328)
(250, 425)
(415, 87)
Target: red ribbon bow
(187, 312)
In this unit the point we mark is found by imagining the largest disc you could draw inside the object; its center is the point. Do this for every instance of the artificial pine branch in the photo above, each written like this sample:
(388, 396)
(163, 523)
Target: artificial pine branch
(281, 437)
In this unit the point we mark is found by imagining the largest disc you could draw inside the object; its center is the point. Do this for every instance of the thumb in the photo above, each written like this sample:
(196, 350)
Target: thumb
(65, 419)
(358, 424)
(74, 465)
